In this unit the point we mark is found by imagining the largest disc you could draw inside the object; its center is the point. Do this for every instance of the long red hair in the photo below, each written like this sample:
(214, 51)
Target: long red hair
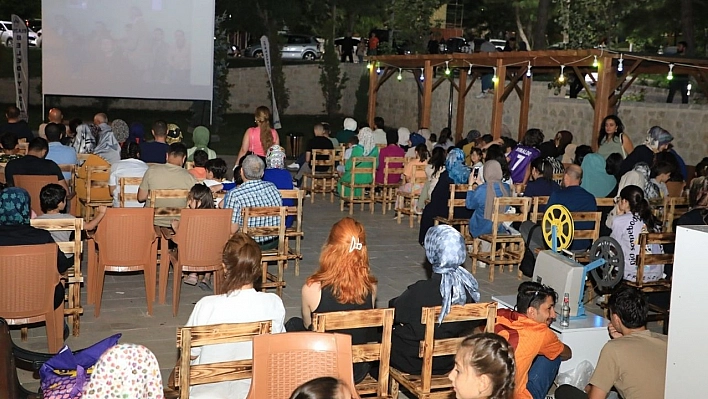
(346, 272)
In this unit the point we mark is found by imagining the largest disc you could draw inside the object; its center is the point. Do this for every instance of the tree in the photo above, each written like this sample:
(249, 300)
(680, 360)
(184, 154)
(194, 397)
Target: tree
(411, 21)
(27, 9)
(330, 81)
(541, 26)
(687, 25)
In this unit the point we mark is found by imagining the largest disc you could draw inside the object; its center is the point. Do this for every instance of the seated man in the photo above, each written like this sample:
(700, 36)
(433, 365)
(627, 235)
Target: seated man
(154, 151)
(253, 192)
(9, 147)
(537, 350)
(34, 164)
(60, 154)
(129, 165)
(18, 127)
(634, 361)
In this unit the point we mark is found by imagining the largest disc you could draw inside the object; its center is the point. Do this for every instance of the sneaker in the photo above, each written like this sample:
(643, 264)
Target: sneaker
(481, 95)
(307, 195)
(294, 166)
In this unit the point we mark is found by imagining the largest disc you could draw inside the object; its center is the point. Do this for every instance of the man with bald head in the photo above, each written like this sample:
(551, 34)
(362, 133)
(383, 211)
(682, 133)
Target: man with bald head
(55, 116)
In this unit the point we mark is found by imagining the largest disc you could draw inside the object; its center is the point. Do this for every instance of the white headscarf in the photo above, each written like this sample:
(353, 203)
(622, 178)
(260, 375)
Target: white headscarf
(404, 136)
(350, 124)
(366, 140)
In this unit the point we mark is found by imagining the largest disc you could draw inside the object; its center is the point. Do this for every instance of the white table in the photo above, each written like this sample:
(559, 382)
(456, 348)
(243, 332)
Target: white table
(585, 336)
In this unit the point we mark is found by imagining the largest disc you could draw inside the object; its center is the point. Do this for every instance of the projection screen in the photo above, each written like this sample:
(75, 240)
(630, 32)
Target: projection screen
(159, 49)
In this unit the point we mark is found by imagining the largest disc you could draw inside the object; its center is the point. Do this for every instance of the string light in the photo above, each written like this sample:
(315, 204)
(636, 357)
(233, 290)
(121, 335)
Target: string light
(670, 76)
(422, 74)
(620, 65)
(447, 67)
(400, 76)
(561, 77)
(469, 71)
(528, 70)
(378, 68)
(368, 65)
(595, 63)
(688, 89)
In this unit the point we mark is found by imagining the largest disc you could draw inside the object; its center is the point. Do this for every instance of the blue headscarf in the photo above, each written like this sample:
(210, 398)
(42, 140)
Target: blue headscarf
(446, 251)
(14, 207)
(137, 132)
(456, 168)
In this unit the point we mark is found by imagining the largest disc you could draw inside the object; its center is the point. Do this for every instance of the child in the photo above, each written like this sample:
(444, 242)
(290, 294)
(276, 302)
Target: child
(660, 174)
(200, 159)
(199, 197)
(322, 388)
(354, 140)
(476, 157)
(523, 154)
(52, 200)
(216, 178)
(484, 368)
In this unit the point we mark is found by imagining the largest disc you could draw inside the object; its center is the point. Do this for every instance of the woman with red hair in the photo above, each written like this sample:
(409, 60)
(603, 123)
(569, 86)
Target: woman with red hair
(342, 282)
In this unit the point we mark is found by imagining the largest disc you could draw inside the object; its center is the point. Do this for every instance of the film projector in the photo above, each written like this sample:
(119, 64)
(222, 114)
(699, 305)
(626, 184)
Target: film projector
(558, 268)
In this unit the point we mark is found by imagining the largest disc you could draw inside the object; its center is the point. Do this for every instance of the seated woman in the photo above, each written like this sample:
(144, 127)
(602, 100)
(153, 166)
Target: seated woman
(698, 203)
(634, 217)
(365, 148)
(15, 229)
(449, 284)
(456, 172)
(392, 150)
(541, 183)
(481, 199)
(484, 368)
(242, 267)
(342, 282)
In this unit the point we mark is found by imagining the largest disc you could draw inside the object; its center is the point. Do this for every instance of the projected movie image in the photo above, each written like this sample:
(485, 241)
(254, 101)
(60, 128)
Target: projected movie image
(135, 49)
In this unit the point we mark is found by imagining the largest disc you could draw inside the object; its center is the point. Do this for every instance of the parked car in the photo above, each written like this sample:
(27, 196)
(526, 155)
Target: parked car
(500, 44)
(304, 47)
(6, 34)
(454, 45)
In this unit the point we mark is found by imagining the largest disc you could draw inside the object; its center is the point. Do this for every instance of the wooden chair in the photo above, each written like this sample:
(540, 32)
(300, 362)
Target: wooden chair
(605, 202)
(295, 231)
(427, 385)
(200, 241)
(189, 165)
(73, 277)
(125, 196)
(93, 183)
(282, 362)
(126, 243)
(22, 147)
(26, 300)
(674, 208)
(323, 181)
(675, 188)
(456, 202)
(74, 202)
(33, 184)
(157, 195)
(406, 202)
(393, 166)
(536, 204)
(362, 166)
(591, 233)
(187, 375)
(279, 255)
(379, 351)
(506, 249)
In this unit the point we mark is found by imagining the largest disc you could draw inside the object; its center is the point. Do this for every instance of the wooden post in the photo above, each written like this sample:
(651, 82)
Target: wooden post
(524, 106)
(373, 91)
(603, 93)
(427, 96)
(498, 104)
(461, 93)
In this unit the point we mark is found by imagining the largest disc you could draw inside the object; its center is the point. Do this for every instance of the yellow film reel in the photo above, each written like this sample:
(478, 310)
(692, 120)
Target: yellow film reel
(558, 216)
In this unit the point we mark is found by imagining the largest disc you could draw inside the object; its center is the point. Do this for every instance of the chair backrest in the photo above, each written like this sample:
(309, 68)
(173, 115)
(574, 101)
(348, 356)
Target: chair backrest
(378, 351)
(675, 188)
(431, 347)
(646, 259)
(125, 236)
(71, 170)
(24, 297)
(298, 196)
(189, 165)
(674, 208)
(96, 178)
(358, 168)
(605, 202)
(202, 235)
(393, 166)
(22, 147)
(323, 159)
(128, 181)
(75, 225)
(535, 206)
(257, 223)
(419, 177)
(187, 375)
(33, 184)
(282, 362)
(339, 154)
(522, 207)
(160, 194)
(590, 233)
(454, 201)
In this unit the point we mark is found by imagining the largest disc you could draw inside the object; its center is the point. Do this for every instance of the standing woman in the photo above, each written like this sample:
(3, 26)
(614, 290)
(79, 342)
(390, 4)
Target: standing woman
(259, 138)
(612, 138)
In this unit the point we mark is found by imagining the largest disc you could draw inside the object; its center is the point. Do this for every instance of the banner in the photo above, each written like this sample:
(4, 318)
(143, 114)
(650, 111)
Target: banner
(19, 45)
(265, 46)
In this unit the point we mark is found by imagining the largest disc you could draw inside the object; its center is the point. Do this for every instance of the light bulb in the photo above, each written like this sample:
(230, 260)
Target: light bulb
(620, 65)
(399, 77)
(495, 79)
(561, 77)
(368, 65)
(688, 89)
(447, 68)
(528, 70)
(594, 62)
(670, 76)
(378, 68)
(422, 74)
(469, 71)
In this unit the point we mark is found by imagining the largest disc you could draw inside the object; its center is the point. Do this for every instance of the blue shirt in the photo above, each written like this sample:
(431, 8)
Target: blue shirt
(62, 155)
(283, 180)
(576, 199)
(153, 152)
(476, 201)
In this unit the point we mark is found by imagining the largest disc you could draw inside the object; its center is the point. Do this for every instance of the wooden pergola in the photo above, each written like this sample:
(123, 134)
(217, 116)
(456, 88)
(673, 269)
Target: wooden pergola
(511, 72)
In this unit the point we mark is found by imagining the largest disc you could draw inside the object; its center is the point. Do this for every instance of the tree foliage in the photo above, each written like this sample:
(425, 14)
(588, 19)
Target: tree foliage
(330, 80)
(27, 9)
(411, 21)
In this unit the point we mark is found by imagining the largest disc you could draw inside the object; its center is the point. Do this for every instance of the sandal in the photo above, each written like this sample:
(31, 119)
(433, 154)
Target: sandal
(191, 280)
(205, 286)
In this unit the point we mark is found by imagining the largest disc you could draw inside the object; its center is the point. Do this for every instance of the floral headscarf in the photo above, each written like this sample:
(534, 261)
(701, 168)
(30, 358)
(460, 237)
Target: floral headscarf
(366, 140)
(14, 206)
(275, 157)
(455, 166)
(125, 371)
(120, 130)
(446, 251)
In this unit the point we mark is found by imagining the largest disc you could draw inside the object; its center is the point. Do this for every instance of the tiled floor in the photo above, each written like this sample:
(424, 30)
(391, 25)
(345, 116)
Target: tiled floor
(395, 260)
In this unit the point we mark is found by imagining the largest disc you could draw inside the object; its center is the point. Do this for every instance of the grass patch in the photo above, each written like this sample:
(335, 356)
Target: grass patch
(7, 63)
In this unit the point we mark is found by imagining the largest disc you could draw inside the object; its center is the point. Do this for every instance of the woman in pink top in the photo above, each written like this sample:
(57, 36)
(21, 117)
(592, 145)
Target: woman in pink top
(391, 150)
(259, 138)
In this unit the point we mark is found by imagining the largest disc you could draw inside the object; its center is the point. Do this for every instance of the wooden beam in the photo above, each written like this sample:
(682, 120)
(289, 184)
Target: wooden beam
(427, 95)
(439, 82)
(373, 92)
(525, 105)
(469, 85)
(581, 78)
(387, 73)
(460, 117)
(617, 97)
(629, 72)
(498, 104)
(605, 83)
(513, 80)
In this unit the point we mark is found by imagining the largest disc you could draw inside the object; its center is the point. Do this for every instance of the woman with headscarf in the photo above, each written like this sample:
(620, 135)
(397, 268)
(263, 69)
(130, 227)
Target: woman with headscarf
(125, 371)
(392, 150)
(365, 148)
(449, 284)
(456, 172)
(136, 133)
(84, 140)
(343, 136)
(15, 229)
(658, 140)
(595, 178)
(276, 173)
(200, 138)
(107, 147)
(120, 130)
(481, 198)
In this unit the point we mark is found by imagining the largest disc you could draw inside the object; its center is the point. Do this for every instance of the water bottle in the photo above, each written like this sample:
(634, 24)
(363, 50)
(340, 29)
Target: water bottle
(565, 311)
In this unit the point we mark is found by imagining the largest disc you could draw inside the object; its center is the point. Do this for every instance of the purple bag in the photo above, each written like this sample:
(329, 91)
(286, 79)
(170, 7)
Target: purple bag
(64, 375)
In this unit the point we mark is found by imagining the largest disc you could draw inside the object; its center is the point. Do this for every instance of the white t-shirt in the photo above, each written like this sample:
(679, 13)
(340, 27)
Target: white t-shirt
(626, 229)
(126, 168)
(240, 306)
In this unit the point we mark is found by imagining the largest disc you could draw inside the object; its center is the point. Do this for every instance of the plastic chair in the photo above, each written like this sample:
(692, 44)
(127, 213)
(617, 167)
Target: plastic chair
(33, 184)
(282, 362)
(200, 240)
(364, 166)
(126, 243)
(31, 300)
